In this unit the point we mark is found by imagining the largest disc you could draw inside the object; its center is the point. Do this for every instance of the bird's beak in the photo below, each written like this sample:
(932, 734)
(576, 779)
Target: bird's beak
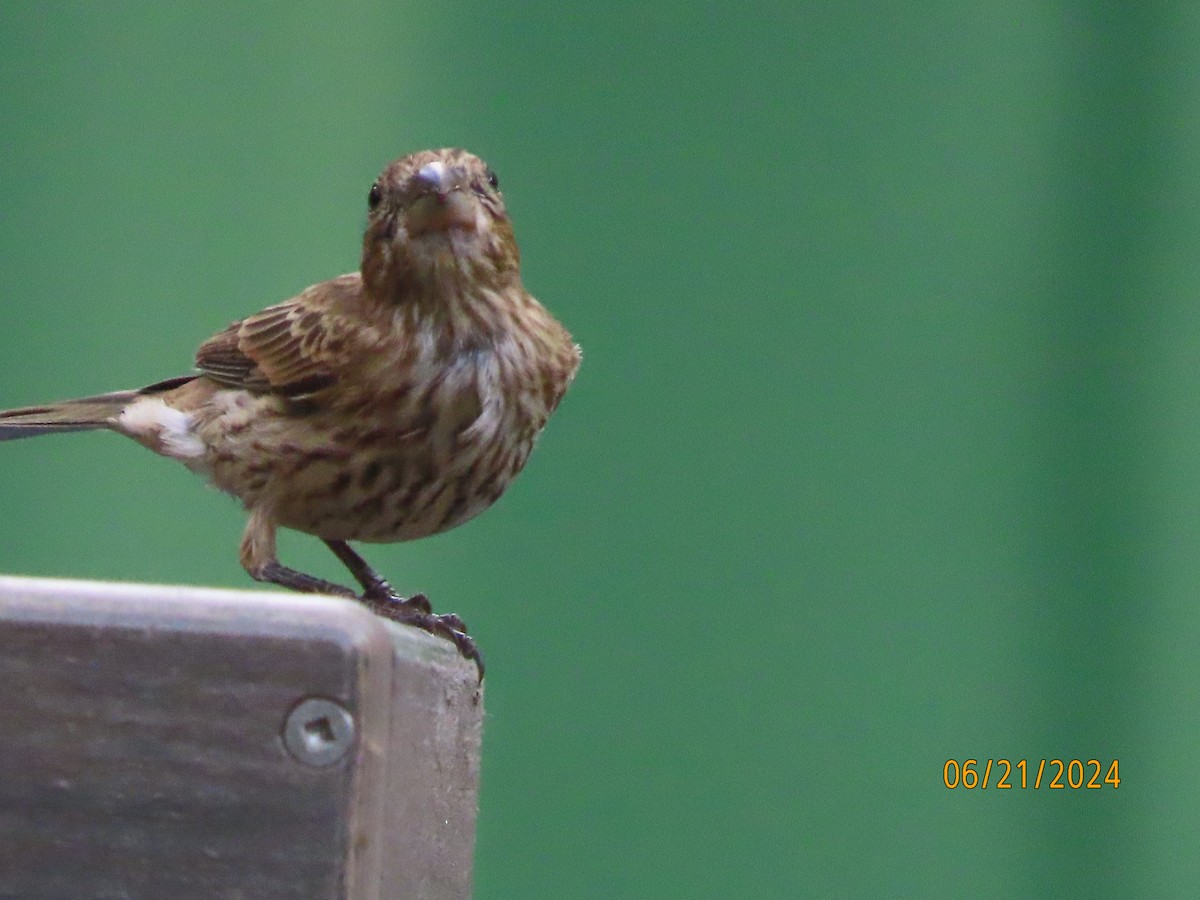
(444, 200)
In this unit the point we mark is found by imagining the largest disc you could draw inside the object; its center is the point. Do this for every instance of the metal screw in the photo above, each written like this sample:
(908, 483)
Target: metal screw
(318, 732)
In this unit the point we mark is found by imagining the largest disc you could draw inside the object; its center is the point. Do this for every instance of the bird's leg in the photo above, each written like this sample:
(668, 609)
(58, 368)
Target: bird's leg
(274, 573)
(259, 559)
(375, 588)
(414, 610)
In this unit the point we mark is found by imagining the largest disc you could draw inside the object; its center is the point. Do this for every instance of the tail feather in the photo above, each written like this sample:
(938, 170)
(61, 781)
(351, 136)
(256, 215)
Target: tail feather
(84, 414)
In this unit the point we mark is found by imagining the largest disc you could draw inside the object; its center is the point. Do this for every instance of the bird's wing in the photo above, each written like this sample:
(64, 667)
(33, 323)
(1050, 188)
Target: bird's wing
(294, 349)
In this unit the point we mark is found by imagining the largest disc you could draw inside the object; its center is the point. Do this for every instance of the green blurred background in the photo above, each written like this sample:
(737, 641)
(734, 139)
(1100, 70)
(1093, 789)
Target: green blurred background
(883, 451)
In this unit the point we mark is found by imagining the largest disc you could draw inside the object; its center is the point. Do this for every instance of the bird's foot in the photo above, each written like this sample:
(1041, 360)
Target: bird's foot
(416, 611)
(382, 595)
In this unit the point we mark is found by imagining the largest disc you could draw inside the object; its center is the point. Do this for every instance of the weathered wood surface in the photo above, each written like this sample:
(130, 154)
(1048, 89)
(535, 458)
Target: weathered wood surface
(144, 749)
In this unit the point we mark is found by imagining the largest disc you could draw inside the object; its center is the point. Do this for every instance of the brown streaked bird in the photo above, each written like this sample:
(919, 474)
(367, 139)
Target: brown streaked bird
(385, 405)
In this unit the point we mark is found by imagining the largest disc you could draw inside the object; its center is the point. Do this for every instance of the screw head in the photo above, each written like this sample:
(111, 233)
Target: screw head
(318, 732)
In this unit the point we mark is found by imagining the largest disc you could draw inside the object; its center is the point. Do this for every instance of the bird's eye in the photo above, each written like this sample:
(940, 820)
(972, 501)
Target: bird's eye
(493, 180)
(375, 196)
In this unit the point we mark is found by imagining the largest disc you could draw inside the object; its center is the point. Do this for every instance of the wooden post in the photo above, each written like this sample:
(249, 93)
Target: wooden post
(178, 742)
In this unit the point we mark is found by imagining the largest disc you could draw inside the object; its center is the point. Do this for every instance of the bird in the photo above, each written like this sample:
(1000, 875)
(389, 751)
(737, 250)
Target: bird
(384, 405)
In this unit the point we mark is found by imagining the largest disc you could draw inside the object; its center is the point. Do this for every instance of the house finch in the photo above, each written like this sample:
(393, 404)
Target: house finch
(384, 405)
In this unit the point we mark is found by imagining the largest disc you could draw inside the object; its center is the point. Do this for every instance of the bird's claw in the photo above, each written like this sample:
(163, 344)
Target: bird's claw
(451, 627)
(417, 611)
(383, 596)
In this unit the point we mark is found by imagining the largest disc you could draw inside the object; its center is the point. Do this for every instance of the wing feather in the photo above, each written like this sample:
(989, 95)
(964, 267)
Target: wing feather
(293, 349)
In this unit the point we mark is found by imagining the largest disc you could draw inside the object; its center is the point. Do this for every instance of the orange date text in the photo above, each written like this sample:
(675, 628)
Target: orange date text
(1053, 774)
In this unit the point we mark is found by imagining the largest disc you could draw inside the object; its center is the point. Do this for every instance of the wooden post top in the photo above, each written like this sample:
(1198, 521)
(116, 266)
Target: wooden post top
(167, 741)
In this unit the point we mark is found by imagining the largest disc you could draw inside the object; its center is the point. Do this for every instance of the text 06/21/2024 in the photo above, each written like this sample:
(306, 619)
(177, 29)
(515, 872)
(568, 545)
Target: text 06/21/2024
(1055, 774)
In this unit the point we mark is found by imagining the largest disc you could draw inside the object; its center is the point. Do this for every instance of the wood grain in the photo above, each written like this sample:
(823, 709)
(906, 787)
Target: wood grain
(141, 749)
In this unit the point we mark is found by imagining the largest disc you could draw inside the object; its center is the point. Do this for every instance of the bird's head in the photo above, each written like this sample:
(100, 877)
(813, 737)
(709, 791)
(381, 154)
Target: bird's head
(436, 222)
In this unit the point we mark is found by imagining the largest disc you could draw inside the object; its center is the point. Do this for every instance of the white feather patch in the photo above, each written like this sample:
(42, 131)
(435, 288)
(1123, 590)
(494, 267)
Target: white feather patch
(152, 418)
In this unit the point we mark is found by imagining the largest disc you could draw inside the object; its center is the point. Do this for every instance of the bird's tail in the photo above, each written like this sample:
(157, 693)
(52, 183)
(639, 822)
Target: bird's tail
(84, 414)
